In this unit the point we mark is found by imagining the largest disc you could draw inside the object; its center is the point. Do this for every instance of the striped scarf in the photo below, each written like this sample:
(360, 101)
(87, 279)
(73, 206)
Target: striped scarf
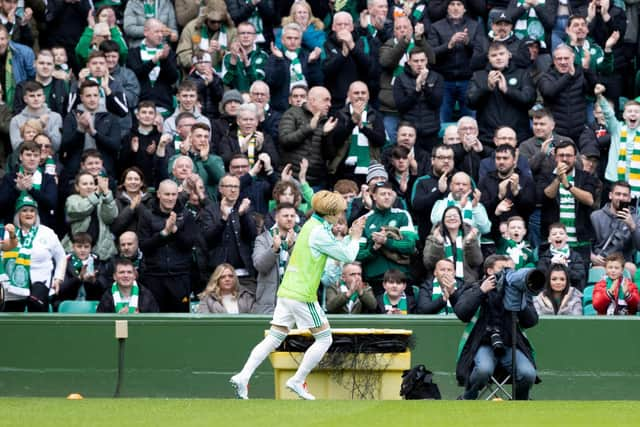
(629, 168)
(249, 148)
(529, 25)
(564, 252)
(17, 263)
(359, 155)
(520, 253)
(285, 250)
(146, 54)
(568, 211)
(401, 305)
(256, 20)
(295, 67)
(400, 67)
(352, 299)
(437, 293)
(121, 302)
(467, 211)
(618, 304)
(458, 256)
(36, 177)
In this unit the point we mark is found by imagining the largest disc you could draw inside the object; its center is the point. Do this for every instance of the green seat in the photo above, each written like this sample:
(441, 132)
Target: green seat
(587, 296)
(588, 310)
(595, 275)
(78, 306)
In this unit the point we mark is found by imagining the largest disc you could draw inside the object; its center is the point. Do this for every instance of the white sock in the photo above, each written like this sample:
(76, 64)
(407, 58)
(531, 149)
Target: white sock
(261, 352)
(313, 355)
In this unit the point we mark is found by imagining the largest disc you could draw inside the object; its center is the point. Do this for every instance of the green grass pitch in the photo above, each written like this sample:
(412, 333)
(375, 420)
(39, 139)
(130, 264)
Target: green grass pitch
(43, 412)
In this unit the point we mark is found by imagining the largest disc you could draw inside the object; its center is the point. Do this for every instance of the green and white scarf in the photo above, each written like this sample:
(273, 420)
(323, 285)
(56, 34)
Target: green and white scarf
(295, 67)
(36, 177)
(401, 305)
(150, 9)
(458, 256)
(564, 252)
(284, 254)
(352, 299)
(256, 20)
(359, 154)
(9, 83)
(400, 67)
(568, 210)
(629, 167)
(520, 253)
(437, 293)
(121, 302)
(467, 211)
(146, 54)
(17, 263)
(615, 304)
(529, 24)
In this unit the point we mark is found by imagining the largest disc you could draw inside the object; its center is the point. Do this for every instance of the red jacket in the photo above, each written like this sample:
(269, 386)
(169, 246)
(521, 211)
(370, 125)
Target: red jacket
(603, 298)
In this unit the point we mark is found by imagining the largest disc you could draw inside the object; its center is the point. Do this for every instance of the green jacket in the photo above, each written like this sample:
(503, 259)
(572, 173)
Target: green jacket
(240, 77)
(83, 48)
(78, 212)
(210, 170)
(376, 262)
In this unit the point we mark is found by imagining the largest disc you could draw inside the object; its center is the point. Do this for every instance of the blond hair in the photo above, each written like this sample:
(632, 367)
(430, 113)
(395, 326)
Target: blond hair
(212, 288)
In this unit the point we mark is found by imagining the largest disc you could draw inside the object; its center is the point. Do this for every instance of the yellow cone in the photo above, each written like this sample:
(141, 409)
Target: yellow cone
(75, 396)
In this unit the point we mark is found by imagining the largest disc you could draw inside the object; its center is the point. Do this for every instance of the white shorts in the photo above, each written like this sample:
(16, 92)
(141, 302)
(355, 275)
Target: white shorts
(304, 315)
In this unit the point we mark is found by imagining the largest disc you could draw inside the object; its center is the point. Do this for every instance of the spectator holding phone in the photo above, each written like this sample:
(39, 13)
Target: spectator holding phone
(617, 228)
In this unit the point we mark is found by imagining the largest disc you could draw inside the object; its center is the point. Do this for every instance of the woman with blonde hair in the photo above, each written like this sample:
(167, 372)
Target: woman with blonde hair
(223, 293)
(313, 35)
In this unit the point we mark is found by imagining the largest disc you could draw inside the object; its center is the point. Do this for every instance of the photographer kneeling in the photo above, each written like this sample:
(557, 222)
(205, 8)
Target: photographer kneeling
(487, 338)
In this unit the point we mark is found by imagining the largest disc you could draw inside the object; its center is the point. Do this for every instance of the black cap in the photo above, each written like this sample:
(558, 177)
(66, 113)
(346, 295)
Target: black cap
(497, 15)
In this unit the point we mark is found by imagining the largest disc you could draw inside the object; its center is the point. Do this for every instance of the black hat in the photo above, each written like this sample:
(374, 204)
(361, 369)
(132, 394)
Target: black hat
(497, 15)
(529, 40)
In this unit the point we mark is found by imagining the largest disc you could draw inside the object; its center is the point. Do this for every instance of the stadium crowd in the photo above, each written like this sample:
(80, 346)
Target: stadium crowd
(161, 155)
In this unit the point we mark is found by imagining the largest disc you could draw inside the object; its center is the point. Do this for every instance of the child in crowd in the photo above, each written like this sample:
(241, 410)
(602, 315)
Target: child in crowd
(515, 246)
(143, 142)
(615, 295)
(82, 268)
(557, 251)
(394, 300)
(61, 67)
(210, 87)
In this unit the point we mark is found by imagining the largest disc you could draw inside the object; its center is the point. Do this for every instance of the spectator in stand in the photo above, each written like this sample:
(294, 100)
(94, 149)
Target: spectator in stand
(97, 32)
(567, 196)
(65, 23)
(167, 235)
(56, 90)
(36, 265)
(271, 253)
(186, 10)
(418, 93)
(290, 66)
(257, 181)
(289, 190)
(564, 88)
(80, 279)
(402, 174)
(502, 94)
(470, 152)
(298, 95)
(237, 232)
(131, 199)
(137, 15)
(533, 19)
(588, 53)
(223, 294)
(558, 297)
(36, 108)
(557, 251)
(503, 135)
(208, 83)
(245, 62)
(394, 55)
(395, 300)
(90, 127)
(615, 295)
(128, 247)
(212, 32)
(358, 137)
(92, 209)
(260, 13)
(260, 95)
(617, 228)
(305, 132)
(439, 294)
(502, 32)
(348, 58)
(453, 40)
(188, 102)
(30, 179)
(154, 63)
(389, 237)
(457, 241)
(227, 123)
(350, 295)
(139, 149)
(406, 136)
(313, 35)
(375, 22)
(126, 296)
(19, 22)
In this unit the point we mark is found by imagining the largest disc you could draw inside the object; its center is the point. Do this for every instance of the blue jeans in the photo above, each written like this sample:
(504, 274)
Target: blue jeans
(454, 91)
(391, 121)
(559, 33)
(485, 364)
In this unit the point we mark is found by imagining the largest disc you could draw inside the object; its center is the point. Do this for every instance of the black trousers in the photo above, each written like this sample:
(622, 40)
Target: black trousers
(170, 292)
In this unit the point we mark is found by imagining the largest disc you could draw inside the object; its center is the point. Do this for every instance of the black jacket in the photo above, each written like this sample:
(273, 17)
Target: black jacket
(519, 53)
(427, 305)
(259, 190)
(470, 299)
(454, 64)
(229, 145)
(209, 95)
(424, 196)
(278, 77)
(146, 302)
(107, 142)
(72, 282)
(578, 267)
(495, 108)
(565, 96)
(411, 304)
(420, 108)
(162, 91)
(47, 198)
(170, 255)
(128, 219)
(56, 101)
(551, 207)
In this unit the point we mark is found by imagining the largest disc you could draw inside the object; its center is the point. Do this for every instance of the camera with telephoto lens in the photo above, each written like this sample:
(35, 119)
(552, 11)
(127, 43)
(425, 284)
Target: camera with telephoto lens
(496, 341)
(515, 285)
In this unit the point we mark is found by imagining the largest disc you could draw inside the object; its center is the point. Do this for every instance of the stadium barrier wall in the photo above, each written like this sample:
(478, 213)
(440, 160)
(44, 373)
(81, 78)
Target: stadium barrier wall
(194, 355)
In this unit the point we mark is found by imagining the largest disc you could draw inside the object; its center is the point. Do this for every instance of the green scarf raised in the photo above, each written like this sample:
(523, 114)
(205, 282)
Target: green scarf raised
(400, 67)
(150, 9)
(146, 54)
(256, 20)
(629, 168)
(17, 263)
(436, 293)
(120, 302)
(401, 305)
(568, 211)
(36, 177)
(295, 67)
(458, 256)
(359, 155)
(520, 253)
(529, 25)
(285, 250)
